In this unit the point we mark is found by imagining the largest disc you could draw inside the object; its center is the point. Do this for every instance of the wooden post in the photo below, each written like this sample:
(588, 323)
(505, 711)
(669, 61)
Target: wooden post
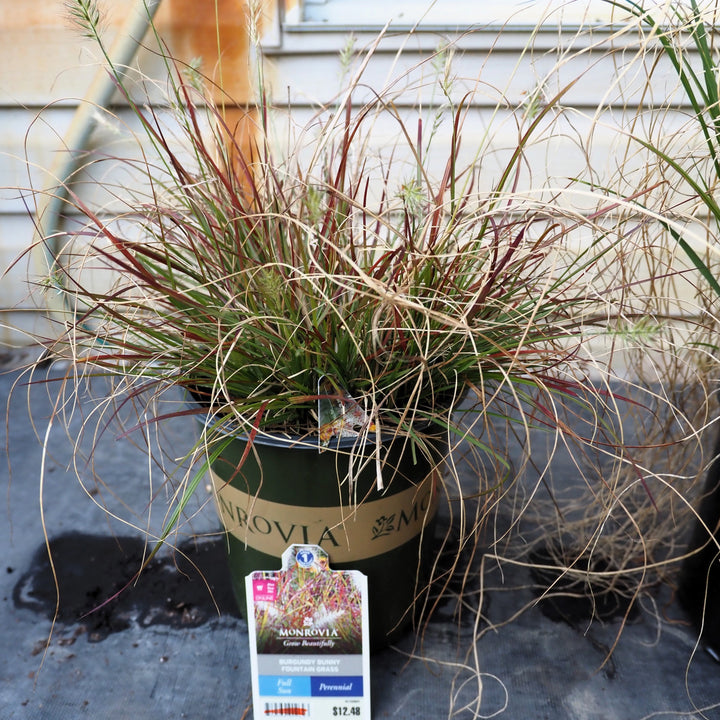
(218, 33)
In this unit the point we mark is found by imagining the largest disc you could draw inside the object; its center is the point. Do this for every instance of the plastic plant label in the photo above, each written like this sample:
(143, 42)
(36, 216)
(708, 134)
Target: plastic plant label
(339, 414)
(309, 639)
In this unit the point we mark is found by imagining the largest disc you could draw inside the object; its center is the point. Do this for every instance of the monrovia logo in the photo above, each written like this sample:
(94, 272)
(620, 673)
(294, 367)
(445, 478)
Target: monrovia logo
(308, 632)
(256, 524)
(378, 526)
(415, 516)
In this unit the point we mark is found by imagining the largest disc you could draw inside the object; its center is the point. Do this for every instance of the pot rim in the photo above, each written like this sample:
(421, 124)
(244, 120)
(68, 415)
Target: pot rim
(269, 438)
(360, 442)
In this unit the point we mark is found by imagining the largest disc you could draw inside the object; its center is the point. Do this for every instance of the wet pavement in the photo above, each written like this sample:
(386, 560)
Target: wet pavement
(171, 644)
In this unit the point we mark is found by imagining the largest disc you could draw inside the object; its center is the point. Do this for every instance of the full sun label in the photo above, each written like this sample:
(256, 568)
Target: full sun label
(309, 638)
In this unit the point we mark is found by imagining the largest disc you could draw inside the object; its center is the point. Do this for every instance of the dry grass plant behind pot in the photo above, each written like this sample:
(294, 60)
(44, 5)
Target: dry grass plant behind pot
(679, 41)
(334, 301)
(607, 540)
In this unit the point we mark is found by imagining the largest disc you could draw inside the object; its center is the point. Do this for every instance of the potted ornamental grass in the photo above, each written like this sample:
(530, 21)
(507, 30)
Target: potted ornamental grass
(332, 313)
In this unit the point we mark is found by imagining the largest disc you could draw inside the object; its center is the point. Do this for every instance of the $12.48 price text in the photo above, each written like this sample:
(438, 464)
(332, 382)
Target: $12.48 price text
(346, 711)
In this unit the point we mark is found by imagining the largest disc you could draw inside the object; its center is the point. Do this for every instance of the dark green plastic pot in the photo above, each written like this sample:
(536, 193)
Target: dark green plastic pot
(287, 492)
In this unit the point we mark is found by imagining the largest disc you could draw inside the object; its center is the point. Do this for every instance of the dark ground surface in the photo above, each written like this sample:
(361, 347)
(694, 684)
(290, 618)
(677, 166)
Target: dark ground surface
(167, 648)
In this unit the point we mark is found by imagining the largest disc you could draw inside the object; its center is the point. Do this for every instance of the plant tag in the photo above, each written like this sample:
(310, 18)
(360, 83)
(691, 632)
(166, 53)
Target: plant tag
(339, 414)
(309, 639)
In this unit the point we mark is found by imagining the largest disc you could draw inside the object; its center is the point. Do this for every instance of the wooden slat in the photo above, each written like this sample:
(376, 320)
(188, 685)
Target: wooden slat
(491, 74)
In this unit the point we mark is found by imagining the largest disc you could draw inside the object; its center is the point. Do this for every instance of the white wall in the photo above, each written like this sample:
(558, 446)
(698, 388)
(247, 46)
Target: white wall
(46, 70)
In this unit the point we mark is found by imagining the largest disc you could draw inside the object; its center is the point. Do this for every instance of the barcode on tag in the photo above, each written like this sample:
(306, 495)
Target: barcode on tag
(286, 710)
